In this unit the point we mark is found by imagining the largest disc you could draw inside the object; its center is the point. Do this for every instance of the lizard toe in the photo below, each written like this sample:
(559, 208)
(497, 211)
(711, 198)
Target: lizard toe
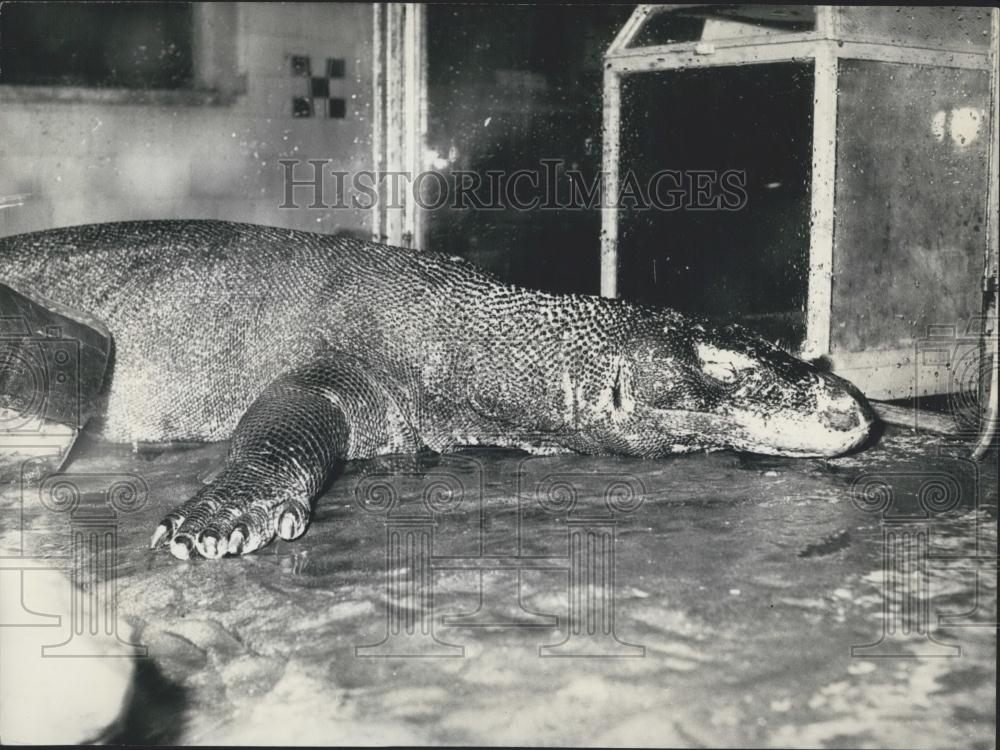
(182, 546)
(213, 541)
(291, 519)
(254, 529)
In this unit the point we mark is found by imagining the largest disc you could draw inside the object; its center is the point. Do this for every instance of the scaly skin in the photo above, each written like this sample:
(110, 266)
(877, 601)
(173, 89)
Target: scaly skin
(310, 350)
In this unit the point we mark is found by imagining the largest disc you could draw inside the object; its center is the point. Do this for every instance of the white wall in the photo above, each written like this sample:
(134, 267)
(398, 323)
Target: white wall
(77, 162)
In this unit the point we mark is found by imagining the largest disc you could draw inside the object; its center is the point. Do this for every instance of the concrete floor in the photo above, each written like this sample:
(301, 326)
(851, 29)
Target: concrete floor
(741, 585)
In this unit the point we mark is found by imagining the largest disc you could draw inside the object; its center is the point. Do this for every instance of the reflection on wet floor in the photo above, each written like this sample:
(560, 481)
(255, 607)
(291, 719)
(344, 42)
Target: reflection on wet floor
(493, 598)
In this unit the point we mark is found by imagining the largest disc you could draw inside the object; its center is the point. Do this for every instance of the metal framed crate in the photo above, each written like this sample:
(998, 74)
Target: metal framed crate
(901, 131)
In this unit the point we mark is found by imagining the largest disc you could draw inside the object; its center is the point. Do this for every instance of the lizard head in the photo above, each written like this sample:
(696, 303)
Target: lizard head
(682, 384)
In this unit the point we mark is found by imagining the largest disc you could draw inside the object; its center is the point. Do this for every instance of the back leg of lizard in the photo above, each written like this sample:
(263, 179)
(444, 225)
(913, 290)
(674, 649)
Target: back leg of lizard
(292, 440)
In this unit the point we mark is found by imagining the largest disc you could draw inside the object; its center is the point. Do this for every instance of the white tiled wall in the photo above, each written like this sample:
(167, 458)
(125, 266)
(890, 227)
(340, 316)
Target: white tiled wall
(82, 162)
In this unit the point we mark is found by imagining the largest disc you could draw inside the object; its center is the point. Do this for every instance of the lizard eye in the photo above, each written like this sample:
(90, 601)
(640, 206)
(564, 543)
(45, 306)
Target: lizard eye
(722, 365)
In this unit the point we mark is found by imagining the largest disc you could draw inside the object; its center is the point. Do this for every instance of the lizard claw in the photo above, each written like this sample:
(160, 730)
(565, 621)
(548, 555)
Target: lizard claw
(181, 547)
(158, 536)
(292, 518)
(209, 546)
(236, 541)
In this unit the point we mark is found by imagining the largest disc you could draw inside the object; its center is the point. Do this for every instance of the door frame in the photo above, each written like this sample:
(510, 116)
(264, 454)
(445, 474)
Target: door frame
(399, 120)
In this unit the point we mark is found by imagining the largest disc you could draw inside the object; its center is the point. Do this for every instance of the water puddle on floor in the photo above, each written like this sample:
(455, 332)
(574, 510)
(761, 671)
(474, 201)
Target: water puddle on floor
(493, 598)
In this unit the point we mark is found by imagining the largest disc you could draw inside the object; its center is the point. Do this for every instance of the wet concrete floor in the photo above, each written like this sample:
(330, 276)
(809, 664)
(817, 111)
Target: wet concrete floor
(467, 599)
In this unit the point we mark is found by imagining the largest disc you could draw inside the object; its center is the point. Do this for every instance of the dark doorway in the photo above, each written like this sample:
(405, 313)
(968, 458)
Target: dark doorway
(511, 88)
(716, 252)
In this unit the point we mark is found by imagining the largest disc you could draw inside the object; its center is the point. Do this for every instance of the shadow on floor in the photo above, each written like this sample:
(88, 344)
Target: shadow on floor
(155, 712)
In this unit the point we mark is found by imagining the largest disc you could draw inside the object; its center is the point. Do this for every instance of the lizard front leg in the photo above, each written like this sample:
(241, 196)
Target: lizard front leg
(287, 446)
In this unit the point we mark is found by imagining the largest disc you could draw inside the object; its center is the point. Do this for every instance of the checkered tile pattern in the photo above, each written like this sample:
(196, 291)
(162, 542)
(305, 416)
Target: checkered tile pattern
(317, 100)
